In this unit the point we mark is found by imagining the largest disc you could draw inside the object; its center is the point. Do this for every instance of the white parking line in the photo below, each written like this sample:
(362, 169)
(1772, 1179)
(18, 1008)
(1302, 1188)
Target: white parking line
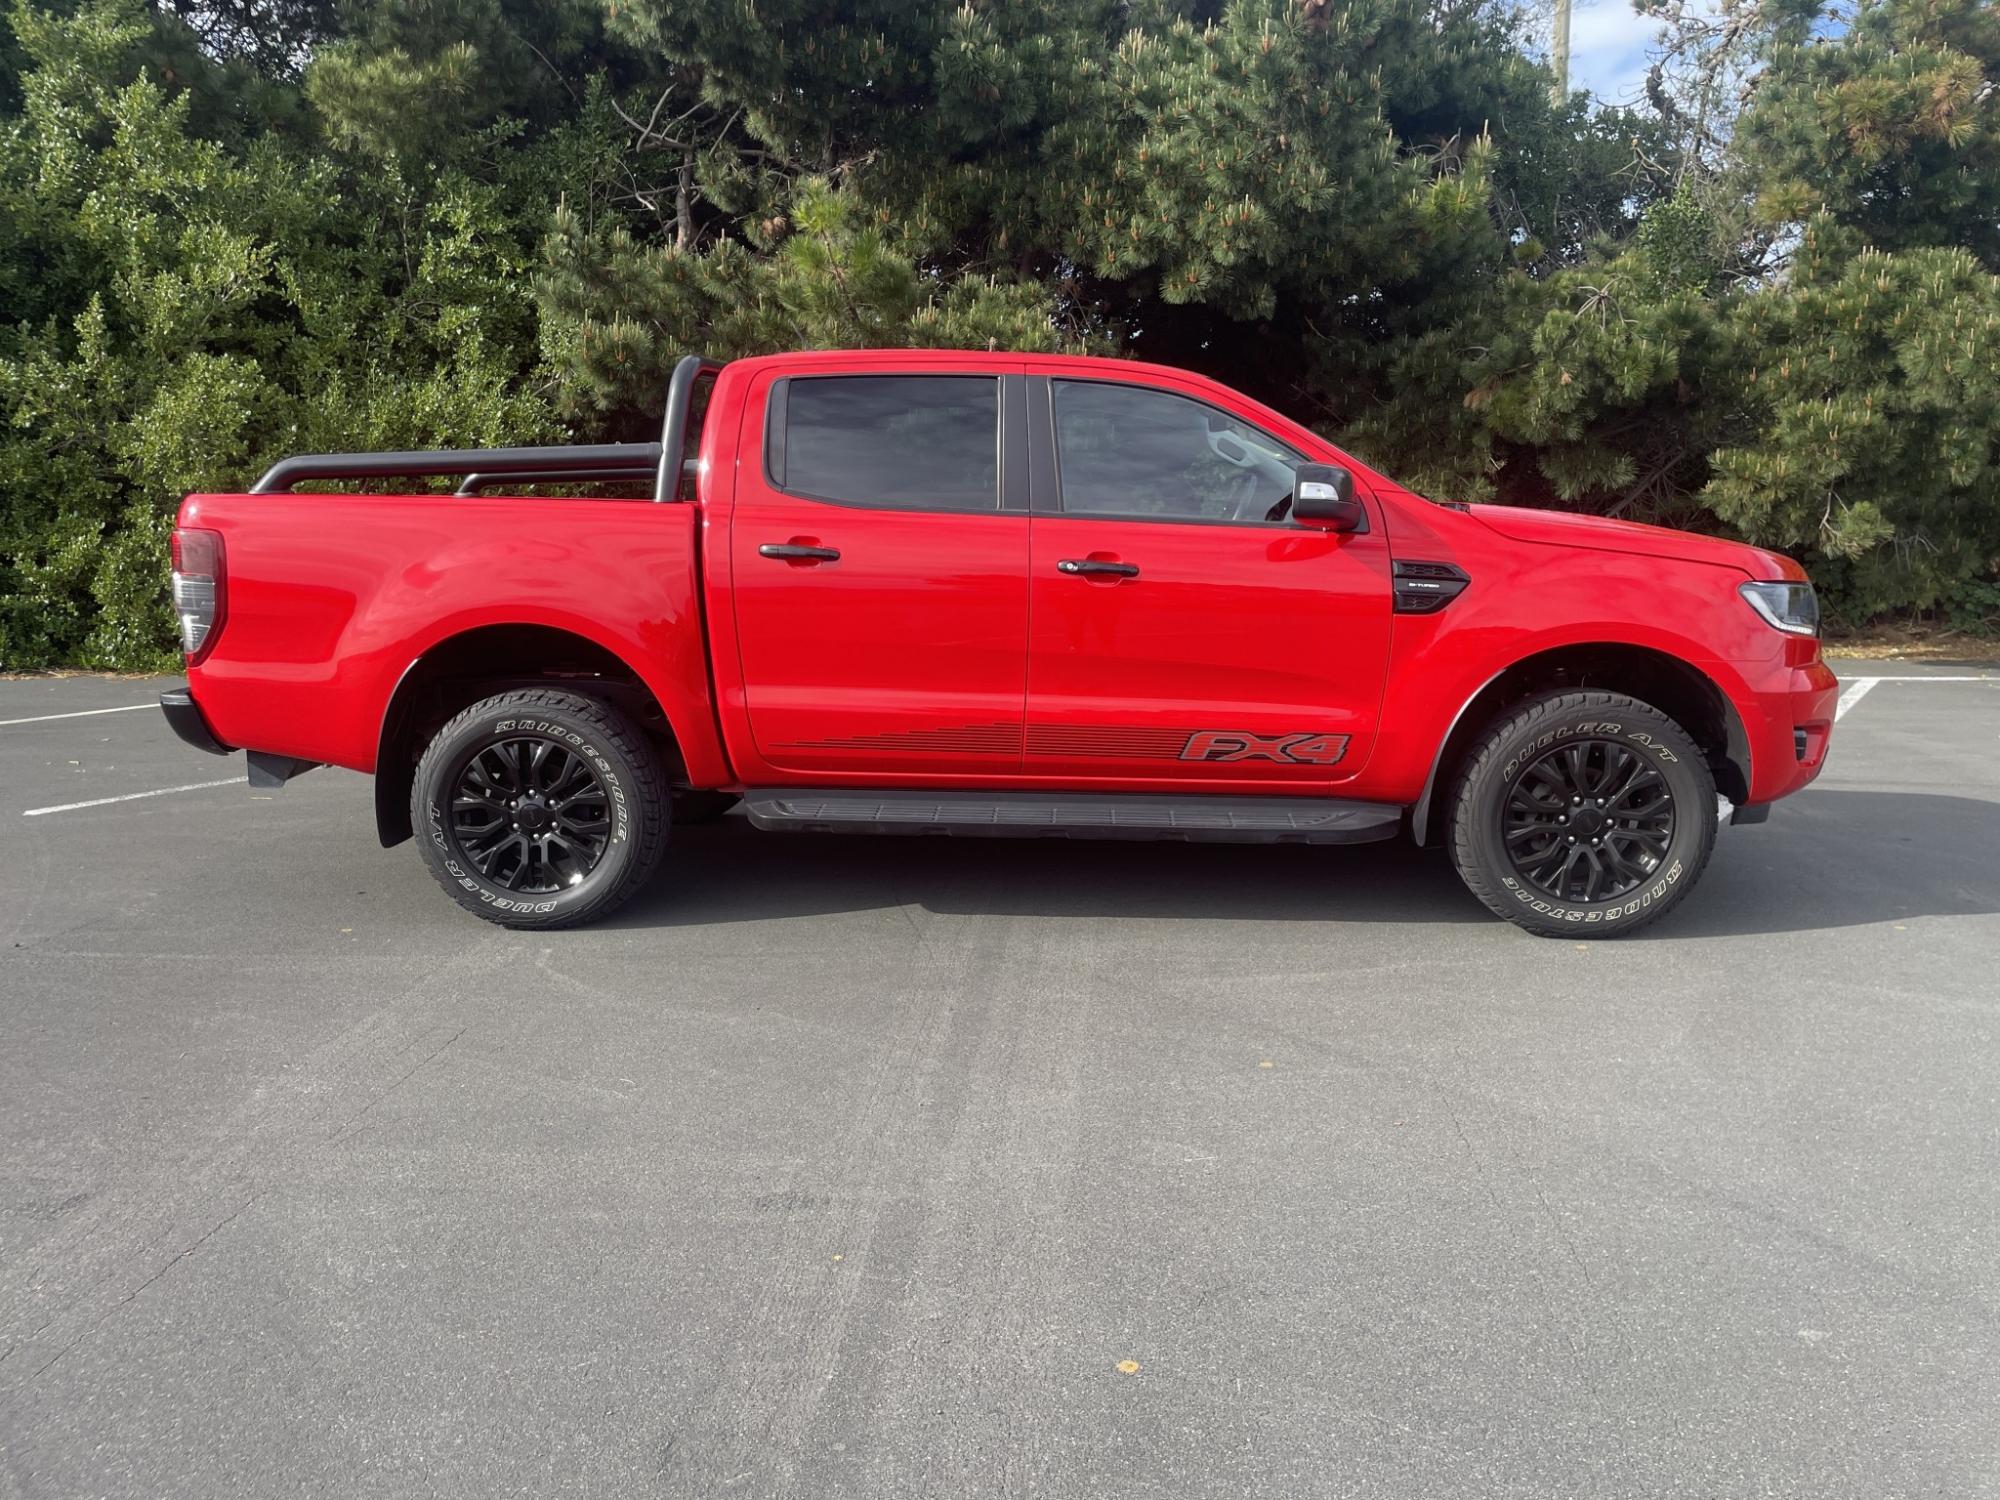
(1858, 688)
(1854, 692)
(81, 713)
(165, 791)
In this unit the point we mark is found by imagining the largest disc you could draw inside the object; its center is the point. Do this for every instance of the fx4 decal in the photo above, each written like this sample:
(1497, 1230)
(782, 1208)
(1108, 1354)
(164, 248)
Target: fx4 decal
(1297, 749)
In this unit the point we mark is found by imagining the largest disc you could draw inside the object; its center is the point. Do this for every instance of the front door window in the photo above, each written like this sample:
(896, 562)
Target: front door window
(1149, 455)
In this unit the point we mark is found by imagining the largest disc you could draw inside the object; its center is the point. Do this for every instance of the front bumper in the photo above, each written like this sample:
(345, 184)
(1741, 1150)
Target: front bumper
(184, 717)
(1790, 728)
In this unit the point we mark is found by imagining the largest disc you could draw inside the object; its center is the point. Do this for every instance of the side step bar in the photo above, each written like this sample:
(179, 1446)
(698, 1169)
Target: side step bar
(1208, 820)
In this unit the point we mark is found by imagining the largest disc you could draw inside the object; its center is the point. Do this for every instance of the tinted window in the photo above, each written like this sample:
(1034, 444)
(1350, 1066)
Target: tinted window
(922, 442)
(1127, 451)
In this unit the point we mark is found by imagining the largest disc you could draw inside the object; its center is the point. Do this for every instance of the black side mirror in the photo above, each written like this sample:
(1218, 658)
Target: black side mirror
(1323, 496)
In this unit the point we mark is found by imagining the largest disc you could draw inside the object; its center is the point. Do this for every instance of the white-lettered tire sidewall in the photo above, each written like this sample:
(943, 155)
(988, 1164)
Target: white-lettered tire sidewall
(434, 794)
(1639, 728)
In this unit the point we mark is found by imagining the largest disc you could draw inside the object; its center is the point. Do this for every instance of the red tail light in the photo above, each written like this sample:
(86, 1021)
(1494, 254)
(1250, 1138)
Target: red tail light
(201, 592)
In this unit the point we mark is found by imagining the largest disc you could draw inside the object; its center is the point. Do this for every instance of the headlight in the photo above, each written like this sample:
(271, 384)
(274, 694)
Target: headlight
(1791, 607)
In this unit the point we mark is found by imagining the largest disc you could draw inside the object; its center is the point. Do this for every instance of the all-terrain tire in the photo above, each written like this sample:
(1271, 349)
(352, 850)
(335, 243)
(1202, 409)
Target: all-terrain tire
(1554, 725)
(636, 799)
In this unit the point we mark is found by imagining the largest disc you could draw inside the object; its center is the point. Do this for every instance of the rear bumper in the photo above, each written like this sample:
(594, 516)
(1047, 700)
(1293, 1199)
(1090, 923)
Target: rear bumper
(184, 717)
(1790, 728)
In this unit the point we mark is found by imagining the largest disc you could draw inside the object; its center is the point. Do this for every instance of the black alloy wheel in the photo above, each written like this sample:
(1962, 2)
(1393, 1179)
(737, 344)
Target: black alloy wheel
(1582, 813)
(1588, 820)
(529, 815)
(541, 807)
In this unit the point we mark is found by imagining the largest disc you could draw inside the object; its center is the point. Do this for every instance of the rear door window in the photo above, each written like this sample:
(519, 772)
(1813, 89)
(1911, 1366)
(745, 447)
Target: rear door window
(896, 442)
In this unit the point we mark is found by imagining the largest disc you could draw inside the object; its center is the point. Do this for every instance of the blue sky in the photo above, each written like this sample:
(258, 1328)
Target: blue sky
(1607, 49)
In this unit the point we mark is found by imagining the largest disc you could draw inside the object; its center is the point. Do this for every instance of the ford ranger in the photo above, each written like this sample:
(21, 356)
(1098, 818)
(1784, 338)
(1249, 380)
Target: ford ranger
(893, 591)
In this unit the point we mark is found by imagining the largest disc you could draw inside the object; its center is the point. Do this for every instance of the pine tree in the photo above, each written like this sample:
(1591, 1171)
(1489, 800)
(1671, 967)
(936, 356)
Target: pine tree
(1228, 185)
(1888, 123)
(1875, 444)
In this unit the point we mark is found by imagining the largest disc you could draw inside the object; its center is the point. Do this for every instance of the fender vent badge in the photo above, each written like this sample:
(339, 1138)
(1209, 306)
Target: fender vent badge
(1424, 588)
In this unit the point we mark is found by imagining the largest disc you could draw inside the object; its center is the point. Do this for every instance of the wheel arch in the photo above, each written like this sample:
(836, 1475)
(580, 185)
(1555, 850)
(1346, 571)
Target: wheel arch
(459, 670)
(1686, 694)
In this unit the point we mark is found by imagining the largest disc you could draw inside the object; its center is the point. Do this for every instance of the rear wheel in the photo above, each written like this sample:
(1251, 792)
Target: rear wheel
(1583, 814)
(541, 808)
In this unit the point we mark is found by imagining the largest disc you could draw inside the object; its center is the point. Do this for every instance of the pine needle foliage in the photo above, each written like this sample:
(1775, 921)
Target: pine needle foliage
(1762, 302)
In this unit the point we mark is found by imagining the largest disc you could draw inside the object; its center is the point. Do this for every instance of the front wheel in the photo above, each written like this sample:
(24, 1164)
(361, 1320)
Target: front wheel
(541, 808)
(1583, 815)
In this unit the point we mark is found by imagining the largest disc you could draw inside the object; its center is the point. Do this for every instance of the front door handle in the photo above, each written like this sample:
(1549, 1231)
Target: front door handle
(798, 552)
(1088, 567)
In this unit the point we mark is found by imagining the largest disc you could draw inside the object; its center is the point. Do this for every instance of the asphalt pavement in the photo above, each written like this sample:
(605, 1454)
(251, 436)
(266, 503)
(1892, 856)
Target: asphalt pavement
(845, 1167)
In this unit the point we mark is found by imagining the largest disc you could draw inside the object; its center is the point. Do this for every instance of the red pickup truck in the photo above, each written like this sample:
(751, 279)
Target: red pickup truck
(934, 592)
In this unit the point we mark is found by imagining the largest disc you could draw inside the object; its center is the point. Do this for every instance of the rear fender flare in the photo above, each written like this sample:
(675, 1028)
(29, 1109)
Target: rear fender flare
(394, 758)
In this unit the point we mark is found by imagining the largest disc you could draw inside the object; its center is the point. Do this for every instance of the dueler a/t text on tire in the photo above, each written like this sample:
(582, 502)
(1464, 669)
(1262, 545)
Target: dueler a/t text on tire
(541, 808)
(1583, 814)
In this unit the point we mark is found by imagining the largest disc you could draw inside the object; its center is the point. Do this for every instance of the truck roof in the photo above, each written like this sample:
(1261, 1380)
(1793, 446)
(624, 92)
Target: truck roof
(960, 359)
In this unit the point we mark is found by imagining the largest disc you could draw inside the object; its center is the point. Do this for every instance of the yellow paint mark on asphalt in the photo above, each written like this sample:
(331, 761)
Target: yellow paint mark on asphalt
(1267, 1063)
(1128, 1367)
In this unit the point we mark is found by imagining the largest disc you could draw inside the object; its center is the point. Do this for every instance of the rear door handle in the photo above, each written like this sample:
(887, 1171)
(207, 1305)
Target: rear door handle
(1091, 566)
(798, 552)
